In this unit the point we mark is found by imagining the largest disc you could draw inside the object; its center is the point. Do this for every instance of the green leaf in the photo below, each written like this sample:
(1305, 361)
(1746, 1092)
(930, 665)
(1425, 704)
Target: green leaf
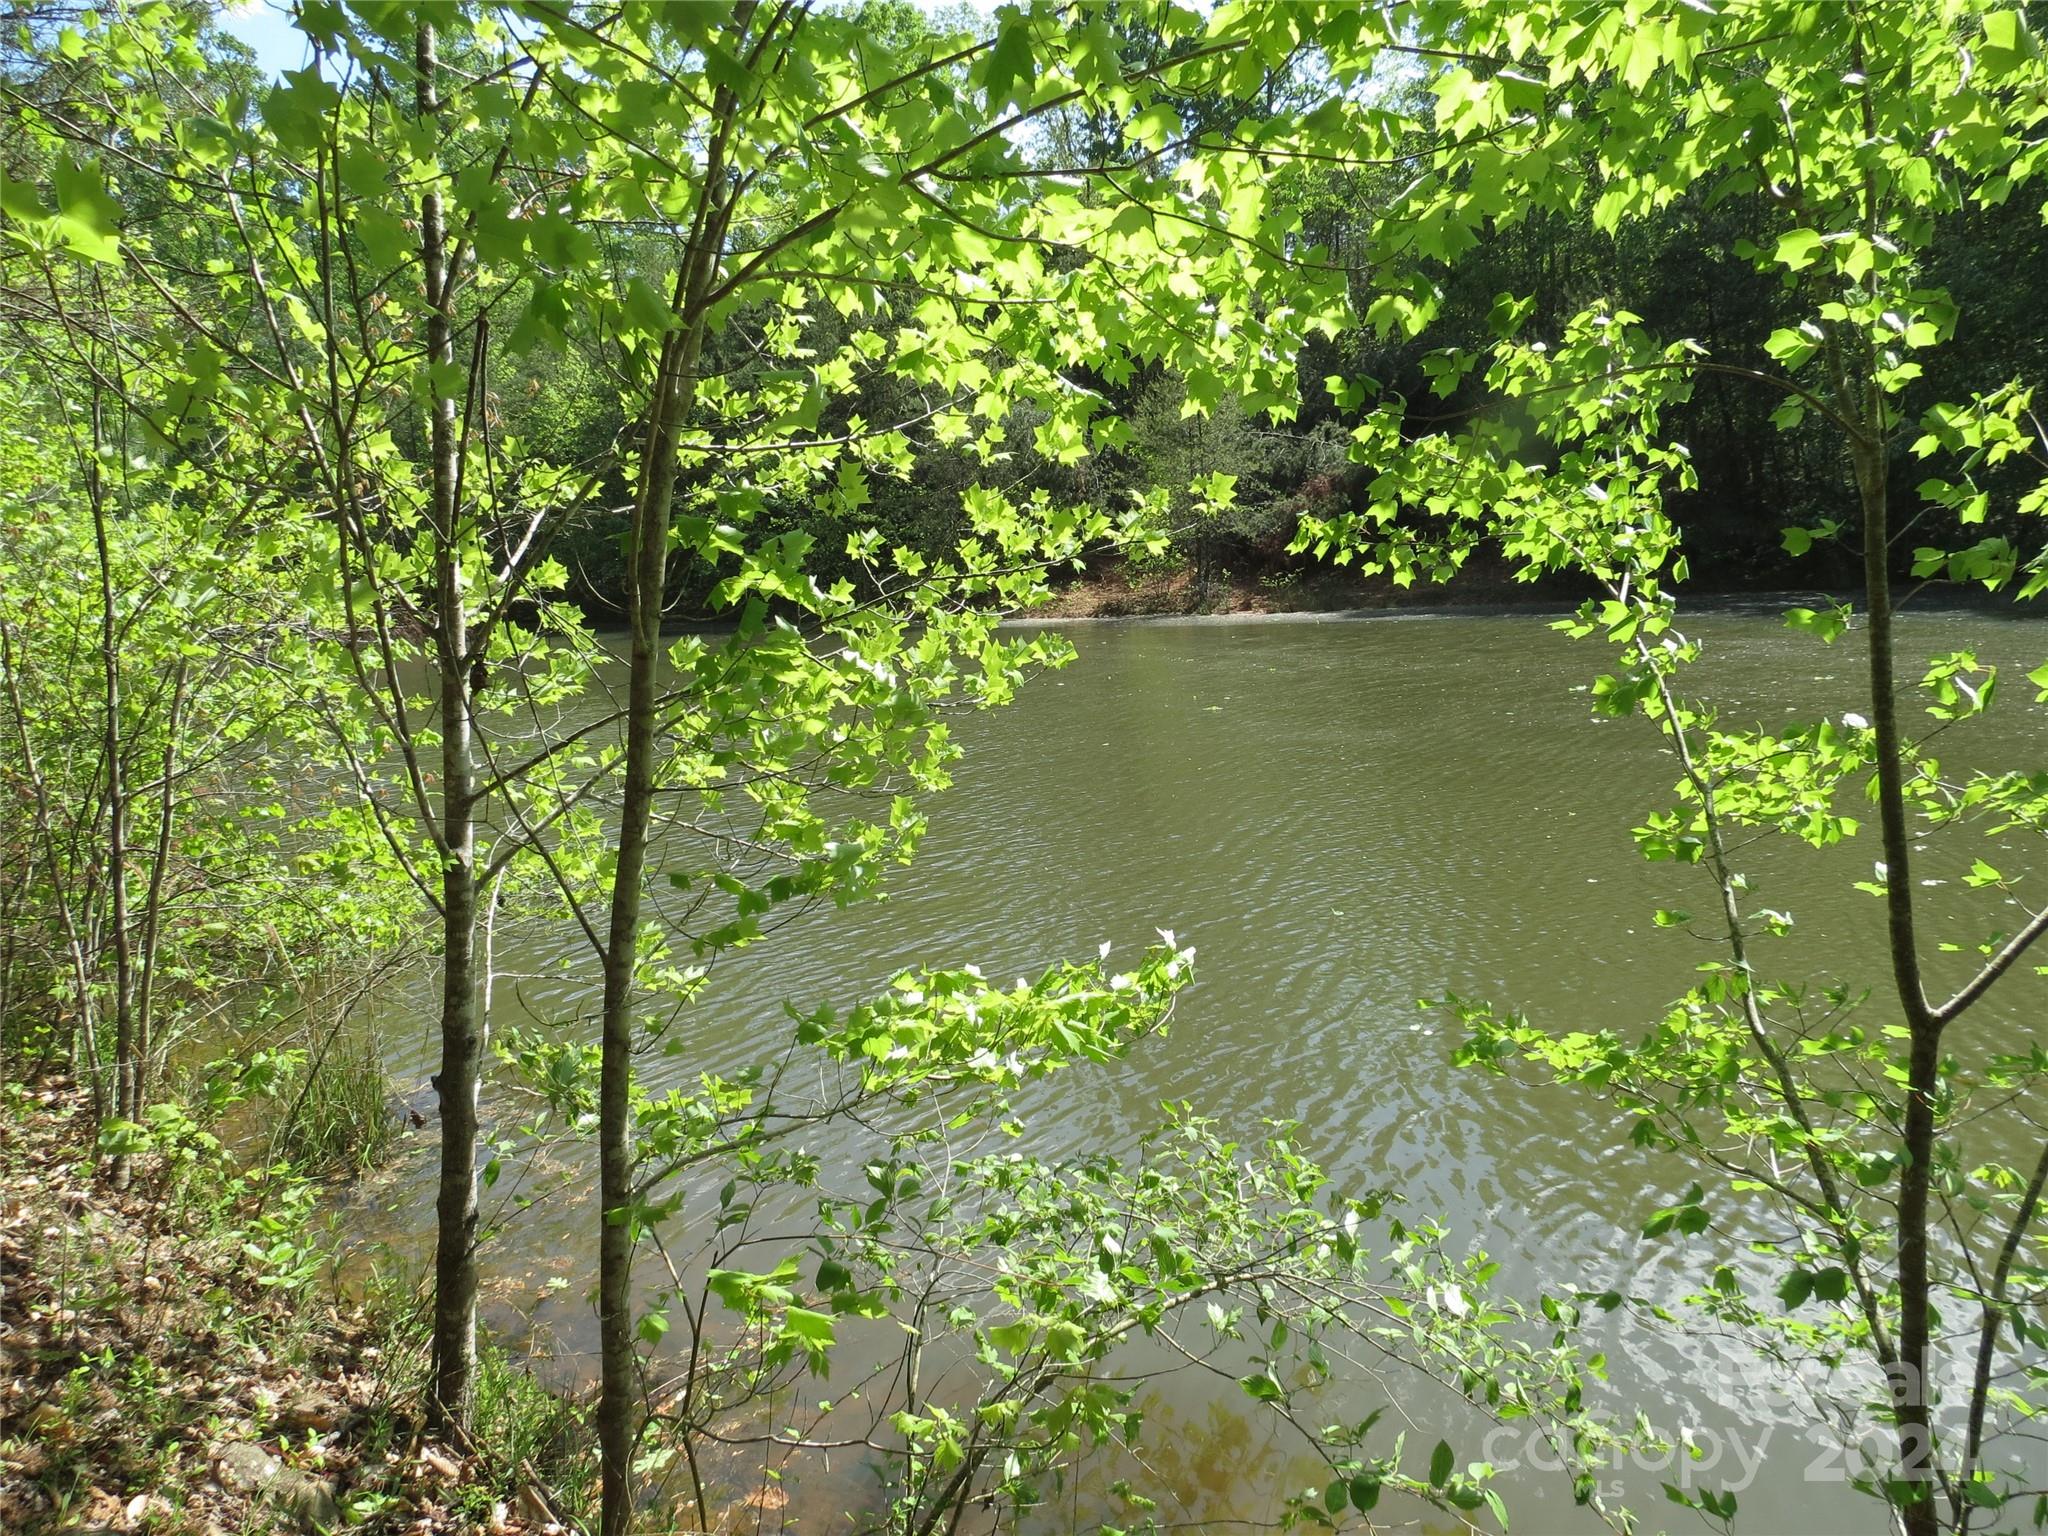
(1013, 1337)
(1499, 1507)
(1798, 249)
(1011, 69)
(1792, 345)
(1440, 1462)
(1828, 624)
(18, 201)
(1260, 1387)
(834, 1276)
(646, 307)
(1155, 127)
(87, 219)
(2008, 41)
(815, 1329)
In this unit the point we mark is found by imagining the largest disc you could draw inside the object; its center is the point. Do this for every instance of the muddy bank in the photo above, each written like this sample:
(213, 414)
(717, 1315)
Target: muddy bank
(1118, 591)
(1486, 585)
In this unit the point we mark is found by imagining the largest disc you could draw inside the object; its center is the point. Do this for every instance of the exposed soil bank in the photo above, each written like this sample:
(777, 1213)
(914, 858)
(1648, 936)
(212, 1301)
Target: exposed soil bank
(1486, 585)
(1115, 591)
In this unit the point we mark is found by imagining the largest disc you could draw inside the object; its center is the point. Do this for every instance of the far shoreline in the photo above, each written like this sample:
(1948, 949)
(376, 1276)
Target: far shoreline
(1932, 598)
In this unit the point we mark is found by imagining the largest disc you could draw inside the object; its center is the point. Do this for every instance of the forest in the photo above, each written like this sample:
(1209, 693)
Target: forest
(553, 558)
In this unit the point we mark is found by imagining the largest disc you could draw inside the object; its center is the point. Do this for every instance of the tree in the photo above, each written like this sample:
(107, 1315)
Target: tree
(1859, 133)
(808, 252)
(379, 214)
(342, 319)
(794, 158)
(151, 790)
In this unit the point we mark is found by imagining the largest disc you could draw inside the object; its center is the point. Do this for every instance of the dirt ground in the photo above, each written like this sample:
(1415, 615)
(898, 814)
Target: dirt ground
(149, 1382)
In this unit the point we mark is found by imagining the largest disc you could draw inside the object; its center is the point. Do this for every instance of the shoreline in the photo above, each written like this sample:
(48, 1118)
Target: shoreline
(1758, 604)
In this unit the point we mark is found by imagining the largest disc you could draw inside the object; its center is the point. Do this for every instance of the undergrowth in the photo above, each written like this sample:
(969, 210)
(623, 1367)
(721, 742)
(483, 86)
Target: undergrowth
(159, 1343)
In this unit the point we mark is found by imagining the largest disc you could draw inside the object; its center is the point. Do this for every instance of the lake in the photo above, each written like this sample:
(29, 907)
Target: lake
(1342, 816)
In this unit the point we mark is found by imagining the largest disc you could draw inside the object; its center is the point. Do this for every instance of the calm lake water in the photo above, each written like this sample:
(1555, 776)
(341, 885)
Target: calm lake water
(1343, 816)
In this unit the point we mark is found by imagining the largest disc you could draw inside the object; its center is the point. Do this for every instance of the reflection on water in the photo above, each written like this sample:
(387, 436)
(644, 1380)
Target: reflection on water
(1342, 817)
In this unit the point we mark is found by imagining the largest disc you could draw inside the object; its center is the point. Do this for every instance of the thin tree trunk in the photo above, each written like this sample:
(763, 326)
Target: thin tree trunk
(456, 1215)
(1909, 1384)
(1919, 1468)
(674, 396)
(82, 1042)
(1992, 1319)
(647, 582)
(8, 898)
(126, 1078)
(675, 393)
(153, 900)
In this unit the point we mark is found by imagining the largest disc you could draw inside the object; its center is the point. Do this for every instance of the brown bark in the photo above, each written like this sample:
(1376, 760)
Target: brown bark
(647, 580)
(675, 392)
(1914, 1426)
(458, 1082)
(126, 1078)
(153, 899)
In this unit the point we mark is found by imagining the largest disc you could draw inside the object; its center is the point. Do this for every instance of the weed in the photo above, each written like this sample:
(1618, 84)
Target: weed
(340, 1120)
(527, 1431)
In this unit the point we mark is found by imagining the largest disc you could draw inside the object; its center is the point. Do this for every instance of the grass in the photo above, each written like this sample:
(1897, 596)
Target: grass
(527, 1432)
(341, 1120)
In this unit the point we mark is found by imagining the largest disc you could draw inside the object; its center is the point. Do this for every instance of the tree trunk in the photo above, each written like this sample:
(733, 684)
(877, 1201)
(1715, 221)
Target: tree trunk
(126, 1078)
(674, 396)
(153, 900)
(1909, 1383)
(456, 1218)
(675, 392)
(647, 581)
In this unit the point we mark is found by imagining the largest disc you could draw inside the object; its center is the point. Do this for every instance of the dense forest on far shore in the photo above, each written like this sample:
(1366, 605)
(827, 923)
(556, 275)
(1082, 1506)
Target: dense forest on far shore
(1690, 271)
